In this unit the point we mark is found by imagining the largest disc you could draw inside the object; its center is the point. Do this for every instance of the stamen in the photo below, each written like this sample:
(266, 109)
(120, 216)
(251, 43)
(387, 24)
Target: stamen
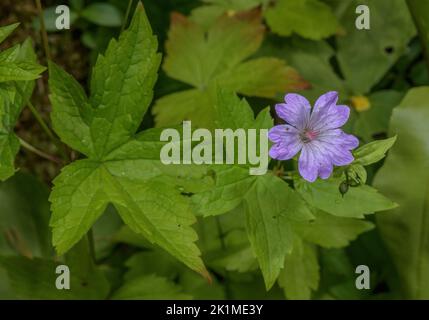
(308, 135)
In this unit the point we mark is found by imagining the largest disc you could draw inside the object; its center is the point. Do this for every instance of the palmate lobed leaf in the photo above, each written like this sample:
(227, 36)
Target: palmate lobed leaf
(122, 168)
(218, 57)
(270, 204)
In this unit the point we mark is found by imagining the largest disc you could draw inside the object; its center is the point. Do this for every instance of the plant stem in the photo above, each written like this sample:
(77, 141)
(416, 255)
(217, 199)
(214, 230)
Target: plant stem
(421, 30)
(228, 293)
(40, 153)
(48, 131)
(43, 32)
(127, 14)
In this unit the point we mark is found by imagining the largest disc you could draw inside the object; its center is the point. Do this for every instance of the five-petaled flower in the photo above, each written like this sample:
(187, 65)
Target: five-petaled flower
(315, 133)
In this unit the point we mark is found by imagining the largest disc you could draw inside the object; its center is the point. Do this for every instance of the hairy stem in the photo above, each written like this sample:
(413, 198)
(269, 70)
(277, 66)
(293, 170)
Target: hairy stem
(43, 32)
(421, 29)
(40, 153)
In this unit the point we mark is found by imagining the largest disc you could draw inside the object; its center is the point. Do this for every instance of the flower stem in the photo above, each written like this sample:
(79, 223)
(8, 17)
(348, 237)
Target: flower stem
(127, 15)
(43, 32)
(40, 153)
(421, 29)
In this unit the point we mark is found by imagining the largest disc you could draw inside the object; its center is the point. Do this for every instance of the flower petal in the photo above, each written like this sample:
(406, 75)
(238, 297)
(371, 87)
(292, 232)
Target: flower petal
(296, 110)
(325, 101)
(339, 155)
(308, 164)
(330, 118)
(286, 151)
(339, 138)
(282, 133)
(325, 170)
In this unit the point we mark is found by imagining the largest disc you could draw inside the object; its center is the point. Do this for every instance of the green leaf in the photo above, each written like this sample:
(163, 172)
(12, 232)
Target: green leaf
(20, 71)
(232, 185)
(122, 168)
(300, 275)
(330, 231)
(271, 206)
(269, 202)
(7, 30)
(404, 176)
(375, 121)
(150, 287)
(35, 279)
(72, 121)
(24, 217)
(214, 58)
(357, 202)
(373, 152)
(312, 60)
(391, 29)
(310, 19)
(13, 96)
(102, 14)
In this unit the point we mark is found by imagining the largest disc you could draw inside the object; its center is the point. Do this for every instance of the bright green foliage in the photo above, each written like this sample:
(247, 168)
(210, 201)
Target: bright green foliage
(373, 152)
(17, 68)
(270, 204)
(218, 57)
(35, 279)
(357, 202)
(330, 231)
(405, 176)
(122, 168)
(365, 55)
(24, 216)
(150, 287)
(300, 275)
(311, 19)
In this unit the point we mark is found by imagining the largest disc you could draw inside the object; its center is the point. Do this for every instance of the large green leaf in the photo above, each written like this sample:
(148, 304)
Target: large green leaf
(300, 275)
(214, 58)
(35, 279)
(375, 120)
(311, 19)
(24, 217)
(357, 202)
(122, 168)
(271, 206)
(330, 231)
(365, 55)
(150, 287)
(405, 177)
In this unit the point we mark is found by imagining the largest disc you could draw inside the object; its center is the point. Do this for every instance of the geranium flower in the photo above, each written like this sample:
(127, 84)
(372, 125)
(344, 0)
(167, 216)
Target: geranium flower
(315, 132)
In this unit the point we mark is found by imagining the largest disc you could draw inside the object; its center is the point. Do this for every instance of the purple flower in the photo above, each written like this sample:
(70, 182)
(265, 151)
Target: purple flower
(315, 133)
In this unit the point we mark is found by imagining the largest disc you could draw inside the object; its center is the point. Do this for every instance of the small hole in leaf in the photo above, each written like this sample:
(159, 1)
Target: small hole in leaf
(84, 284)
(389, 50)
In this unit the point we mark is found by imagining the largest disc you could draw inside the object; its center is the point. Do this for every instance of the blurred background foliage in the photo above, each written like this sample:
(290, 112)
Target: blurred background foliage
(312, 47)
